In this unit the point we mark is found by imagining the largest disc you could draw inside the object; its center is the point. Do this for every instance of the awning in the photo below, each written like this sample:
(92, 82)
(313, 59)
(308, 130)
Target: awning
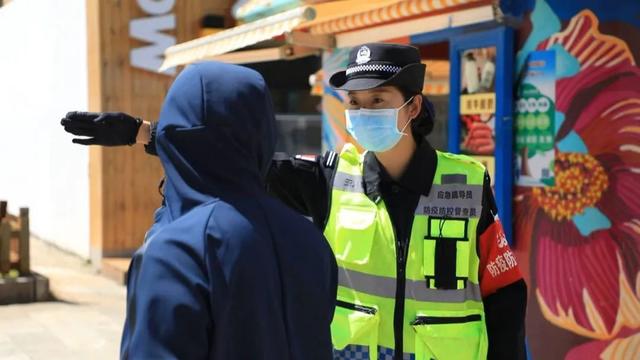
(327, 25)
(477, 11)
(379, 13)
(235, 38)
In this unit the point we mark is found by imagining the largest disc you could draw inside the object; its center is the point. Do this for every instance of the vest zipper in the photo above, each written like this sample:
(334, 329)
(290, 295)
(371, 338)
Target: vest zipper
(398, 316)
(355, 307)
(434, 320)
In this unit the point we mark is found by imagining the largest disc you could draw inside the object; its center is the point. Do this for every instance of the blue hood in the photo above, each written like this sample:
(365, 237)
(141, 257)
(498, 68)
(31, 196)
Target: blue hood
(207, 104)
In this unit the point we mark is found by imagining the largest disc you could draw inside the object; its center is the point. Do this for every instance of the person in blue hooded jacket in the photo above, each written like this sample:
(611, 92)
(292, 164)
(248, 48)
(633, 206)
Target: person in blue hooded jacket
(227, 272)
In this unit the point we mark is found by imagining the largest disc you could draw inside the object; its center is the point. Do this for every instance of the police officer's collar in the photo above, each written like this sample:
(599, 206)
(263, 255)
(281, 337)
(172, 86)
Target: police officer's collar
(417, 178)
(378, 64)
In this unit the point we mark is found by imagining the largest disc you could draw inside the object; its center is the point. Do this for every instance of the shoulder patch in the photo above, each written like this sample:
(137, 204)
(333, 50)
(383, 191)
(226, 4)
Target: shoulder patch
(330, 159)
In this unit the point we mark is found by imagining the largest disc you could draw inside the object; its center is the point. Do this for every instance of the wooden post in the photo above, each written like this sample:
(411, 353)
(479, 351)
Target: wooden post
(3, 209)
(24, 266)
(5, 240)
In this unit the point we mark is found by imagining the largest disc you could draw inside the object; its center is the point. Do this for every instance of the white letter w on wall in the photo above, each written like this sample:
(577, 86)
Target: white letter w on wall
(150, 30)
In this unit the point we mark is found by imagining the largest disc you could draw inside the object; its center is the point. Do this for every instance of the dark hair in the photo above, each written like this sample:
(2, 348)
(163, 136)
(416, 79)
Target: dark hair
(422, 125)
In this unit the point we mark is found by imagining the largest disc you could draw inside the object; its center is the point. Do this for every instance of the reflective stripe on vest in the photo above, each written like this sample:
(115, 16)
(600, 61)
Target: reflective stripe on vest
(444, 315)
(414, 289)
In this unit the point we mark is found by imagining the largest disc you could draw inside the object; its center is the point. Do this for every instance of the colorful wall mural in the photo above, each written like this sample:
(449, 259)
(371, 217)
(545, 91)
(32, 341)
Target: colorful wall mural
(579, 240)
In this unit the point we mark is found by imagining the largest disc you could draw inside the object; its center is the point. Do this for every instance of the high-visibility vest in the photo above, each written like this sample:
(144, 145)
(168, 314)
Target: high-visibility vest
(443, 311)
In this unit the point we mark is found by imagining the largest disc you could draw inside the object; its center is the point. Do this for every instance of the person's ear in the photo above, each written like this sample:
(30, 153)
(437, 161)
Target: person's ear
(415, 107)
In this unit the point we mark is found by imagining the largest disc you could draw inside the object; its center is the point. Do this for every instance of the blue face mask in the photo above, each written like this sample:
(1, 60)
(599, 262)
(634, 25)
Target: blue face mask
(376, 129)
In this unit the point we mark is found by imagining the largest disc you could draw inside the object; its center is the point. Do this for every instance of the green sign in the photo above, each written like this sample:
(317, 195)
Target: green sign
(535, 121)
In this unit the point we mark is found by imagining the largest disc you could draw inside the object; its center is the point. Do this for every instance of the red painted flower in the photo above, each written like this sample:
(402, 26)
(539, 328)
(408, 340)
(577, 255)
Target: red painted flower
(586, 228)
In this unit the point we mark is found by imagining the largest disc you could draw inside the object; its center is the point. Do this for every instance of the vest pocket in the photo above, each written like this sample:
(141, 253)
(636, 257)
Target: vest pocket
(355, 324)
(355, 229)
(450, 335)
(446, 253)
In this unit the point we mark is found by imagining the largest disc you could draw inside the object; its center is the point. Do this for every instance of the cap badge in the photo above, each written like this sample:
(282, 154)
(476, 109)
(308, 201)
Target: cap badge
(364, 55)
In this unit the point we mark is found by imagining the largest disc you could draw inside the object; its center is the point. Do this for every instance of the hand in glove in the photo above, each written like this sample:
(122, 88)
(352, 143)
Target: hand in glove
(107, 129)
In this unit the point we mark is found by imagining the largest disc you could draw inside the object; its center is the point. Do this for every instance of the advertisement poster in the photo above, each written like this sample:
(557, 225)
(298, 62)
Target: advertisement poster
(478, 105)
(535, 121)
(478, 102)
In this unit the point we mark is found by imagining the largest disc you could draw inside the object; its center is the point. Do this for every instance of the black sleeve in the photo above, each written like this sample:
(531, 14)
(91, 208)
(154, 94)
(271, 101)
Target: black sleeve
(150, 148)
(505, 309)
(489, 207)
(302, 183)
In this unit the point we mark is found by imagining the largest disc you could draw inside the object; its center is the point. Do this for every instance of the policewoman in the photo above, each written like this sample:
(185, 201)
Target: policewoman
(424, 268)
(425, 271)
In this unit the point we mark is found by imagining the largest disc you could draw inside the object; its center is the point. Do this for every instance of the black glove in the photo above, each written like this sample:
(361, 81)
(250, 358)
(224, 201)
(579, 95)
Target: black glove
(107, 129)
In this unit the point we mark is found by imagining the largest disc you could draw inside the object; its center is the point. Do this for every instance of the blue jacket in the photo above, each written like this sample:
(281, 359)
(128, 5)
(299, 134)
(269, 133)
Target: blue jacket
(227, 271)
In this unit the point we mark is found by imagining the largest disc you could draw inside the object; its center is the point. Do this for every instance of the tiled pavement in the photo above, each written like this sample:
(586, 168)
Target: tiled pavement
(83, 322)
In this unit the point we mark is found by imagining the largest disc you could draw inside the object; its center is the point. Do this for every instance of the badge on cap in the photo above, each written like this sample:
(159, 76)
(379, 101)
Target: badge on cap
(364, 55)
